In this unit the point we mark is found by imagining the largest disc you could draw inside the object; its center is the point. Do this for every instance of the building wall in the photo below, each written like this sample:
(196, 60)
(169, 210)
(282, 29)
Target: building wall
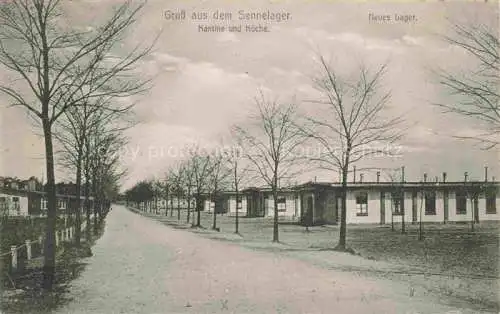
(482, 209)
(14, 208)
(290, 203)
(208, 206)
(374, 208)
(23, 200)
(325, 206)
(298, 206)
(232, 205)
(483, 216)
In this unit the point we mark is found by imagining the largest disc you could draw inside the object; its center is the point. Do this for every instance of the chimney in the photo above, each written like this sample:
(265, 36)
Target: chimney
(354, 176)
(444, 177)
(360, 178)
(403, 174)
(425, 177)
(485, 174)
(493, 178)
(378, 176)
(465, 176)
(314, 179)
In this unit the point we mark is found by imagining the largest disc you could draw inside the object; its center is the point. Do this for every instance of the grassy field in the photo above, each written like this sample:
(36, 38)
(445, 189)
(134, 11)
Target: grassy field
(451, 261)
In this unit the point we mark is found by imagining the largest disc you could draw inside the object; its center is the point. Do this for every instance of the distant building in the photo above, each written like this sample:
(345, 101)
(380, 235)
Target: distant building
(369, 202)
(226, 203)
(26, 198)
(384, 203)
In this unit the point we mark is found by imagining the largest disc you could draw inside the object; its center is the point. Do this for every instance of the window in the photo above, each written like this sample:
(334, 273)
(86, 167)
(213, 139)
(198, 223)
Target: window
(491, 201)
(3, 203)
(461, 202)
(398, 202)
(430, 203)
(281, 204)
(239, 202)
(362, 204)
(62, 204)
(44, 203)
(16, 204)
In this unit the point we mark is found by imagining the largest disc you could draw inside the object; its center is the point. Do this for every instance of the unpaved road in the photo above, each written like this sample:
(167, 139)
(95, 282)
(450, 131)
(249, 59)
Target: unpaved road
(142, 266)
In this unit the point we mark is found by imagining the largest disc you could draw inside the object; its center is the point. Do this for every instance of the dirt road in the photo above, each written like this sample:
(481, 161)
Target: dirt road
(142, 266)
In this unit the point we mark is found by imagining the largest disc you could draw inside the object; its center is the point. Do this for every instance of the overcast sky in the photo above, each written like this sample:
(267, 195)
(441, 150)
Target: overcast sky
(206, 81)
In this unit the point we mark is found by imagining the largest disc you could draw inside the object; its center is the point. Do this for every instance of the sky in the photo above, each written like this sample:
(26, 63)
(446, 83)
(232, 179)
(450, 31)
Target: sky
(205, 82)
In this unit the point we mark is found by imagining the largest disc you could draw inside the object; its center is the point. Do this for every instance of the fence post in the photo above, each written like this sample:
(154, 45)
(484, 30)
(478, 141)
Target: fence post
(28, 249)
(40, 239)
(13, 251)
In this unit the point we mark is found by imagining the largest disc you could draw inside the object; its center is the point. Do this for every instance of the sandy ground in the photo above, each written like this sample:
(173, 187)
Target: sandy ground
(142, 266)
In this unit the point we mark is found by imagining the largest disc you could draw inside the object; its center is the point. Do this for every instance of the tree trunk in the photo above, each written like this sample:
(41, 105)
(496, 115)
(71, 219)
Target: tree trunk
(343, 219)
(198, 210)
(475, 208)
(87, 209)
(420, 225)
(402, 206)
(275, 197)
(178, 207)
(172, 205)
(214, 223)
(472, 212)
(189, 207)
(96, 203)
(166, 202)
(49, 249)
(237, 214)
(78, 218)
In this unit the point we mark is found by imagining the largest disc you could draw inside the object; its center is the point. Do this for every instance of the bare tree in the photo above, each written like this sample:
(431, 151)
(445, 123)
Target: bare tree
(50, 68)
(201, 167)
(173, 192)
(72, 132)
(158, 191)
(353, 127)
(218, 176)
(104, 162)
(397, 196)
(188, 182)
(177, 179)
(475, 93)
(239, 172)
(271, 145)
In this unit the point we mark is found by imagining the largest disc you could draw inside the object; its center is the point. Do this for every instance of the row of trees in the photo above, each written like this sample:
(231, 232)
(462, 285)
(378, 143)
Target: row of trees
(353, 124)
(68, 77)
(203, 173)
